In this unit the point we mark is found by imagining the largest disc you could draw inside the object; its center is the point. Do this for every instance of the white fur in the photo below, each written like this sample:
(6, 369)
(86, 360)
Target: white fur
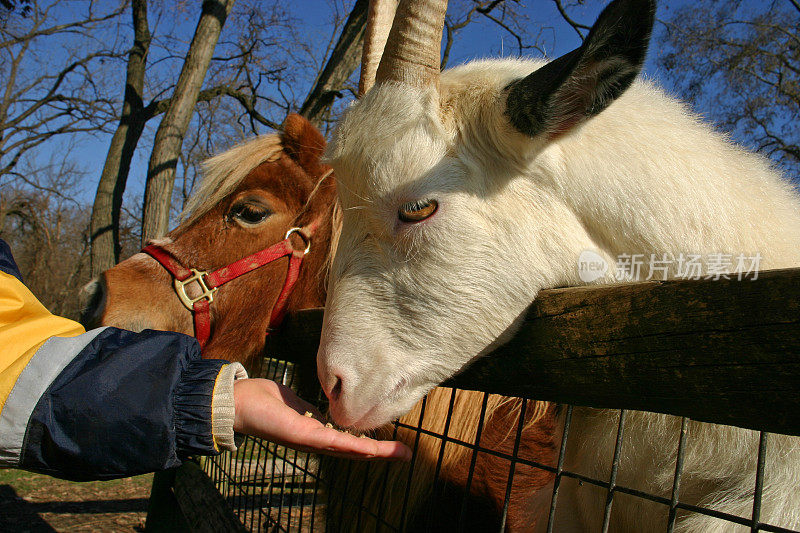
(409, 305)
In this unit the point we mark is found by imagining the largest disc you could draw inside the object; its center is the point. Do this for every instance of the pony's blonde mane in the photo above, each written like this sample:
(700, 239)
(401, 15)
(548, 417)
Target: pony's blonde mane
(223, 172)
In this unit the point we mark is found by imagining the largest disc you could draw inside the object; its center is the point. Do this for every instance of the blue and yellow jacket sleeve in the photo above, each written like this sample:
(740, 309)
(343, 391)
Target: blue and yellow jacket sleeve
(104, 403)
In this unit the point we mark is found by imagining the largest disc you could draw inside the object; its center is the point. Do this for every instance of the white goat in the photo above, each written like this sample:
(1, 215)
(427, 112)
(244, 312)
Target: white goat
(464, 195)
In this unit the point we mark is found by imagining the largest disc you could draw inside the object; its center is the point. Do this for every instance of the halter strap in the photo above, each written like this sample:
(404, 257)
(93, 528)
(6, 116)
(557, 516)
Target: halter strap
(200, 306)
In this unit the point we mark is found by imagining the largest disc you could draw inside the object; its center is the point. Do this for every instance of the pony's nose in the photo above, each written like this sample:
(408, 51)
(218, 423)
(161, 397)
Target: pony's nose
(93, 303)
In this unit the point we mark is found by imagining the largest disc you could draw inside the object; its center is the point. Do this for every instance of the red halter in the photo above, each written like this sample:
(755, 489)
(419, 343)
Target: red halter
(209, 283)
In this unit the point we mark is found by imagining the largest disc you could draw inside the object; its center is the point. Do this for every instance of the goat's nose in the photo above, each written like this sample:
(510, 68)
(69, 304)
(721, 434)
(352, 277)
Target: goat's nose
(331, 384)
(336, 391)
(332, 376)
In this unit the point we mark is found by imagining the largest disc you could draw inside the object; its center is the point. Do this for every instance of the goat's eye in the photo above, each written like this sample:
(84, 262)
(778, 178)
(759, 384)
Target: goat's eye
(249, 213)
(417, 211)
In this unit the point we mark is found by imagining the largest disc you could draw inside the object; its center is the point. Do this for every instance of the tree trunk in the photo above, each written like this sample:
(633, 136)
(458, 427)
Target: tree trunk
(104, 226)
(345, 57)
(170, 133)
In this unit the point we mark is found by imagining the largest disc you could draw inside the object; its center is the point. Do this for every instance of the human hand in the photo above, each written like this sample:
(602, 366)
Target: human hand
(274, 412)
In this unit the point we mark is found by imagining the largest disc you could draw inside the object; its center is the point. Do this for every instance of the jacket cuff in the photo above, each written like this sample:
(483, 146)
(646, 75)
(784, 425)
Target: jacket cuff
(192, 404)
(223, 406)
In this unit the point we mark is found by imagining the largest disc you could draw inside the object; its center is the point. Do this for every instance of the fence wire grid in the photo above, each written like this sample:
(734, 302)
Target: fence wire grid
(275, 489)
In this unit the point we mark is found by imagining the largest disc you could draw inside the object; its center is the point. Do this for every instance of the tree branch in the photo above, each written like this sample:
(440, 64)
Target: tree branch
(247, 101)
(344, 58)
(452, 27)
(575, 25)
(60, 28)
(51, 93)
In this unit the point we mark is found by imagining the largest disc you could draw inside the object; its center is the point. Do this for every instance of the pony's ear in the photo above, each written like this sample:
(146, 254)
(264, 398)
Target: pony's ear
(582, 83)
(303, 142)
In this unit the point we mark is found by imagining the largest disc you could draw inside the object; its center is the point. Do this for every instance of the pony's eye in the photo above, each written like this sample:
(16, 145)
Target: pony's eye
(249, 213)
(417, 211)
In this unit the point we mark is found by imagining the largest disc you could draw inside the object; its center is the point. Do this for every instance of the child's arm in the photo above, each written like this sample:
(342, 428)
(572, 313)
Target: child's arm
(109, 403)
(105, 403)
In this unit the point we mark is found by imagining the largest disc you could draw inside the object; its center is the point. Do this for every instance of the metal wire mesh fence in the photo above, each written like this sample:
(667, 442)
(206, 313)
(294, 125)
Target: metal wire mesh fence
(499, 465)
(267, 486)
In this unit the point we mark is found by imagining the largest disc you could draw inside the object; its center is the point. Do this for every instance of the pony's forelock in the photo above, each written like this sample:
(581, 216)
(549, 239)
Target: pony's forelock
(223, 172)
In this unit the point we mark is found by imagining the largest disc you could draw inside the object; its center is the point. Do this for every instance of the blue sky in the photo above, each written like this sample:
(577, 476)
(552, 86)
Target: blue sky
(480, 39)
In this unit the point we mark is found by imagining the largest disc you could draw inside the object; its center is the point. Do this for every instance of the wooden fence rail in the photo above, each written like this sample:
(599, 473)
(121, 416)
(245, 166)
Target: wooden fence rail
(722, 351)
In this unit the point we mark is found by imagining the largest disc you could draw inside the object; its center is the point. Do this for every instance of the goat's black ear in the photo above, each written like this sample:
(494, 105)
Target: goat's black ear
(582, 83)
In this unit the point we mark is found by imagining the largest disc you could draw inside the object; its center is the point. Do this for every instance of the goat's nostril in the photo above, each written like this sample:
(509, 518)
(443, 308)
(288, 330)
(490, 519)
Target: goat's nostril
(336, 391)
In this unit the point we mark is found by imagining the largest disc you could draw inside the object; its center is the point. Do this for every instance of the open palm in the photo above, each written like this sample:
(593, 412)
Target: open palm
(274, 412)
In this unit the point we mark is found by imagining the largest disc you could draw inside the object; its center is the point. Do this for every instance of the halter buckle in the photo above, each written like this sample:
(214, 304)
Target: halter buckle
(199, 277)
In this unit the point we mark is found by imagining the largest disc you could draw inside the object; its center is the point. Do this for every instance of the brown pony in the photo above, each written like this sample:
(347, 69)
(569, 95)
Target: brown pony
(250, 196)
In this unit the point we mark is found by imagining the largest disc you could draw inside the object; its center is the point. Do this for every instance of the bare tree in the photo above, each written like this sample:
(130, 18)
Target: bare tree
(342, 62)
(749, 53)
(42, 99)
(46, 228)
(106, 213)
(104, 227)
(7, 7)
(170, 133)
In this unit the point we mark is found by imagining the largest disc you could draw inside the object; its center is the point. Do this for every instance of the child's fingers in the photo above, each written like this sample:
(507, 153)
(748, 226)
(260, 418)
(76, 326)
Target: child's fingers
(272, 411)
(291, 399)
(396, 455)
(330, 441)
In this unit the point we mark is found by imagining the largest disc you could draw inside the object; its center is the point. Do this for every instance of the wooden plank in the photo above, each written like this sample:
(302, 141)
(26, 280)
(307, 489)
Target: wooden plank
(723, 351)
(203, 507)
(163, 512)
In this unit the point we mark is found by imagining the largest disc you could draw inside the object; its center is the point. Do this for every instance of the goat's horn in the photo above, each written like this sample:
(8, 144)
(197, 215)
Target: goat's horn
(413, 50)
(379, 22)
